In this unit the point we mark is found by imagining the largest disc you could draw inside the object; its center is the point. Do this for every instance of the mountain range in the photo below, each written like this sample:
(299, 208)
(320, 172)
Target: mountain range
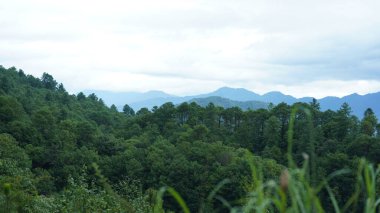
(243, 98)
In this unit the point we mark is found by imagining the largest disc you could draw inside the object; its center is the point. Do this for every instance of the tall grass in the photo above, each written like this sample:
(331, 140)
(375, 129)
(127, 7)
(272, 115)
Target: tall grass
(296, 190)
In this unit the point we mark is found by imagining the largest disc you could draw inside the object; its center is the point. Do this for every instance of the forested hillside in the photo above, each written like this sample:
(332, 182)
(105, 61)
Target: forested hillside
(71, 153)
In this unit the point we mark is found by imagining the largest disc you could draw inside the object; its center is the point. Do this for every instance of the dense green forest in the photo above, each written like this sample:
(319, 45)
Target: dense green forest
(71, 153)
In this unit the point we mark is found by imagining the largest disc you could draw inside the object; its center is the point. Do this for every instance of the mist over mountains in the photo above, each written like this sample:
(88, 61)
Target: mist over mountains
(243, 98)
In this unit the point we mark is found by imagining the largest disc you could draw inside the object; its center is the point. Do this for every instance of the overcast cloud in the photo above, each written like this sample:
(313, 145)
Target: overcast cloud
(302, 48)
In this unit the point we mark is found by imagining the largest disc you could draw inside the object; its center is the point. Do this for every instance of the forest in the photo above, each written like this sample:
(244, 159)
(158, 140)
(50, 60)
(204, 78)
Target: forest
(62, 152)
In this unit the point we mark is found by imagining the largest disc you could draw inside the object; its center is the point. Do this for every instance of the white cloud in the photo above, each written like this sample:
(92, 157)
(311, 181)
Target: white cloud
(186, 47)
(320, 89)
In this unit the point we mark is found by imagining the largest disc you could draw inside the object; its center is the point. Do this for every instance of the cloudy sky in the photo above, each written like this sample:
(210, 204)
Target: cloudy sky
(183, 47)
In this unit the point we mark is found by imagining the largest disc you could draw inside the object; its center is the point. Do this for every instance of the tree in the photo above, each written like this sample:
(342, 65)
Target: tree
(200, 132)
(164, 117)
(282, 112)
(81, 96)
(50, 140)
(10, 150)
(272, 129)
(128, 111)
(183, 112)
(315, 112)
(113, 108)
(48, 81)
(143, 111)
(61, 88)
(5, 84)
(368, 123)
(342, 123)
(44, 120)
(10, 109)
(93, 97)
(211, 116)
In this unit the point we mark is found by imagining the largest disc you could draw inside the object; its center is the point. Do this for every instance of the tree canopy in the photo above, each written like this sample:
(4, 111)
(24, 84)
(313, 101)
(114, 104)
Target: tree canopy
(74, 153)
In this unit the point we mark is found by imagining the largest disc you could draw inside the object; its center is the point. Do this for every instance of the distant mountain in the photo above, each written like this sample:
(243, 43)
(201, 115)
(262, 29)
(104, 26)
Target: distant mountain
(237, 94)
(238, 97)
(149, 103)
(278, 97)
(228, 103)
(157, 98)
(122, 98)
(358, 103)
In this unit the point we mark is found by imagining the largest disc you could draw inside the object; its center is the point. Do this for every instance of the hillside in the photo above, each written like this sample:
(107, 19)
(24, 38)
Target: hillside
(121, 98)
(62, 152)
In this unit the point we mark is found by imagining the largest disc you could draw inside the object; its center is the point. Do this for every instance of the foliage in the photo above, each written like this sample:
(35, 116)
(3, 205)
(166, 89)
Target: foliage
(71, 153)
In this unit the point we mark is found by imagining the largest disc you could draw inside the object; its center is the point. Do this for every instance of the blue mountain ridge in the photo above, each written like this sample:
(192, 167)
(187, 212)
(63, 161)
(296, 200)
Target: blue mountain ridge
(358, 103)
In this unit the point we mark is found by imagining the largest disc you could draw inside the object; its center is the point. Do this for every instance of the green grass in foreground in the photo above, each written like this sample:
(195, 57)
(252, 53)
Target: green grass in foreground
(294, 192)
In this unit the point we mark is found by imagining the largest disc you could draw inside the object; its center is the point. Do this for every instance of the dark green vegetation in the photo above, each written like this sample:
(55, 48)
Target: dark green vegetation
(71, 153)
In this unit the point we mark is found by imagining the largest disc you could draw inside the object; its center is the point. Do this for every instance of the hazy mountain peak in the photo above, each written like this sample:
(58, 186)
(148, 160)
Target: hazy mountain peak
(274, 93)
(353, 95)
(235, 96)
(230, 89)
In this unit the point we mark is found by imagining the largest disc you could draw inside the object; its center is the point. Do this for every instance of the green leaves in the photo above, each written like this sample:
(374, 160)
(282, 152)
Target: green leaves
(174, 194)
(70, 153)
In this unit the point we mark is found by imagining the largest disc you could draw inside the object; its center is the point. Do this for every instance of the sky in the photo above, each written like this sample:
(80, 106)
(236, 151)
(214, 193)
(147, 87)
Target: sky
(184, 47)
